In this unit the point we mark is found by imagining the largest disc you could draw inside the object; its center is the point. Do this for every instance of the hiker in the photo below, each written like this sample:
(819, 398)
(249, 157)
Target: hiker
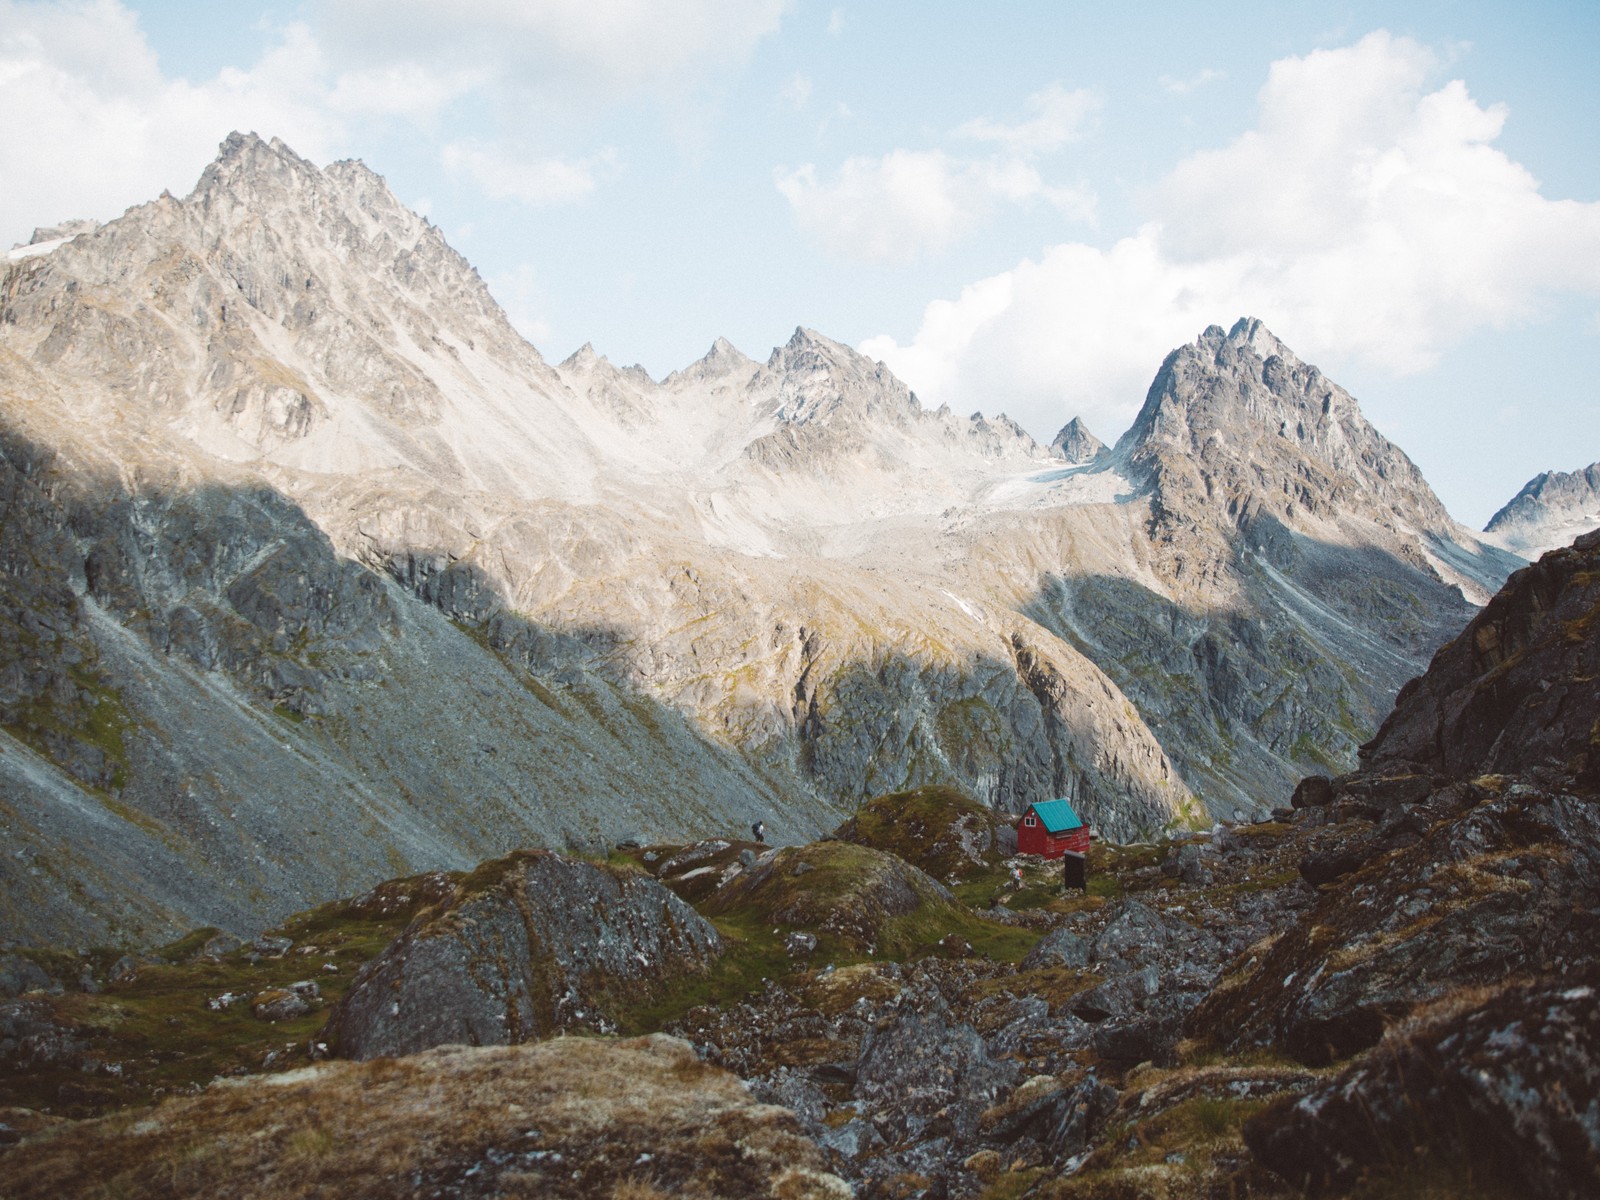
(760, 831)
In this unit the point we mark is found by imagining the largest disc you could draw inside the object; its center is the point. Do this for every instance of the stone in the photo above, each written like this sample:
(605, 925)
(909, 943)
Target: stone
(271, 946)
(800, 944)
(1058, 948)
(1314, 791)
(19, 974)
(918, 1067)
(279, 1004)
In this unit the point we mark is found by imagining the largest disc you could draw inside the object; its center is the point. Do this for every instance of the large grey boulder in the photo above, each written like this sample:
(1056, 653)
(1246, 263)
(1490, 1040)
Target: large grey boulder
(533, 944)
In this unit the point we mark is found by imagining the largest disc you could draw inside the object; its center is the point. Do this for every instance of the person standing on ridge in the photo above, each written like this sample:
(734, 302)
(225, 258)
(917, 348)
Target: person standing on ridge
(760, 831)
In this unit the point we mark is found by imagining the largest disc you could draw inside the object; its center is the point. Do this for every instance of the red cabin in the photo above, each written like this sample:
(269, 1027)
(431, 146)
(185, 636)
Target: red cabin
(1050, 828)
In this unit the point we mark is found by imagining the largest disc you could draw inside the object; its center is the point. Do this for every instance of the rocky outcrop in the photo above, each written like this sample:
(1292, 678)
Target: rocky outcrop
(1550, 511)
(936, 829)
(572, 1118)
(1502, 1088)
(1475, 884)
(1516, 691)
(531, 945)
(860, 899)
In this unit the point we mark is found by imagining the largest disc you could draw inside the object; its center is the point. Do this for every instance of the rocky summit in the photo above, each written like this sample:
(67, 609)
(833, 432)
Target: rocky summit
(1549, 511)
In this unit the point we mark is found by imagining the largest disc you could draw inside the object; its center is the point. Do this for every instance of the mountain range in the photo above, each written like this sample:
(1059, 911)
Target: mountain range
(317, 573)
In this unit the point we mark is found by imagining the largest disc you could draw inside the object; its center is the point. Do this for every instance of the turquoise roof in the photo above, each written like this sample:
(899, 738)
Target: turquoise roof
(1057, 816)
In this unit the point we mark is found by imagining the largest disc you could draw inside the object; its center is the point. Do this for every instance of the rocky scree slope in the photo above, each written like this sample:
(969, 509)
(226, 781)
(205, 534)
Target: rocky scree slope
(751, 589)
(1549, 511)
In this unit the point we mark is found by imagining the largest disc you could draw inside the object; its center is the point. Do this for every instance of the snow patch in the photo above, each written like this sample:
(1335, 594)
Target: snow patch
(18, 253)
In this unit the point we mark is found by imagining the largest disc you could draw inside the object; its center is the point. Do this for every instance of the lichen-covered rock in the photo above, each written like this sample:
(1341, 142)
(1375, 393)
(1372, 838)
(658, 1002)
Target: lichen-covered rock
(1059, 948)
(529, 945)
(939, 829)
(867, 899)
(1506, 1089)
(1504, 881)
(1136, 935)
(279, 1004)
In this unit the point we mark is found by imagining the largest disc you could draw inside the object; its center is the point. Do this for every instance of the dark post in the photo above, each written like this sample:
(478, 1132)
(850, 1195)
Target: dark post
(1075, 871)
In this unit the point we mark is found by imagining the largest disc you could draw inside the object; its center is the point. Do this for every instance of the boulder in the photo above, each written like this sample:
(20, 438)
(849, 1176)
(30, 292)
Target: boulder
(1314, 791)
(800, 944)
(530, 945)
(1059, 948)
(1137, 934)
(19, 974)
(279, 1004)
(1061, 1117)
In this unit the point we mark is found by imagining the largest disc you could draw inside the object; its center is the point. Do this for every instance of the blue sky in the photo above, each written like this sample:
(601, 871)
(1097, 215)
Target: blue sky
(1020, 207)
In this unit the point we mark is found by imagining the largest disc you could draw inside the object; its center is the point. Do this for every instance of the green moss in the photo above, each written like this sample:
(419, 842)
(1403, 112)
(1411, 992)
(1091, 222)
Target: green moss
(920, 827)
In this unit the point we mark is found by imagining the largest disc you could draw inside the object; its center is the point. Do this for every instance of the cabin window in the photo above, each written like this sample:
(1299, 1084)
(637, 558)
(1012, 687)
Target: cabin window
(1030, 822)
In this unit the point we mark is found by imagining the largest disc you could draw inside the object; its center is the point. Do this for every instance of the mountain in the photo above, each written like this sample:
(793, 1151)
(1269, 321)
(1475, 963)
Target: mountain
(318, 573)
(1549, 511)
(1076, 444)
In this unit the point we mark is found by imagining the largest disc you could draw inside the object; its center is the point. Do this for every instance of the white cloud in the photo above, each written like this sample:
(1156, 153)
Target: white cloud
(1364, 216)
(503, 175)
(610, 48)
(911, 203)
(1060, 117)
(92, 125)
(836, 22)
(1182, 87)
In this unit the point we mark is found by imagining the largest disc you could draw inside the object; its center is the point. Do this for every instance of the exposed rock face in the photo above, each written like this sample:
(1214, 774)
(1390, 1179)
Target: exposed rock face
(1476, 884)
(572, 1118)
(1076, 444)
(1516, 690)
(1507, 1089)
(920, 1068)
(1549, 511)
(531, 945)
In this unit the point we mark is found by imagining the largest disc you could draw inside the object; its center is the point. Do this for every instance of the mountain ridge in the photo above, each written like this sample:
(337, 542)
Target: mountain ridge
(748, 589)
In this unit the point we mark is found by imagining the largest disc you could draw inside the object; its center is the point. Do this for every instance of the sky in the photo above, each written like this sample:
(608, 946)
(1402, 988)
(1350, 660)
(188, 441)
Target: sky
(1020, 207)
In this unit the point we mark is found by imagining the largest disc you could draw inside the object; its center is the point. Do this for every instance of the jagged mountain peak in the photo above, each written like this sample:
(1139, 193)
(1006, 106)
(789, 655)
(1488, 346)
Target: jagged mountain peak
(1243, 405)
(584, 358)
(721, 365)
(1237, 428)
(1076, 444)
(1551, 509)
